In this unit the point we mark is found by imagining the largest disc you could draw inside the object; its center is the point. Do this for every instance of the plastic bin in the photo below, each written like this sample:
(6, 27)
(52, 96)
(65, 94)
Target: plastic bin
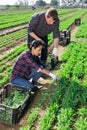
(77, 22)
(11, 115)
(65, 37)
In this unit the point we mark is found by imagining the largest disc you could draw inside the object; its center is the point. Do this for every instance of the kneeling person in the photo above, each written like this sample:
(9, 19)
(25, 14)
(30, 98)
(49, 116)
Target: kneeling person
(29, 66)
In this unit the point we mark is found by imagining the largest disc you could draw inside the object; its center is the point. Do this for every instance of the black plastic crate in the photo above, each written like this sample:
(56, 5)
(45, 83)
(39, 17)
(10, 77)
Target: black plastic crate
(65, 37)
(78, 22)
(8, 114)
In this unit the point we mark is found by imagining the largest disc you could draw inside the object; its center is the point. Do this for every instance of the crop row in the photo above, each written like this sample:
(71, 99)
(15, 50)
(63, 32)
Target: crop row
(7, 63)
(72, 97)
(65, 25)
(76, 63)
(12, 37)
(15, 19)
(23, 17)
(67, 108)
(82, 33)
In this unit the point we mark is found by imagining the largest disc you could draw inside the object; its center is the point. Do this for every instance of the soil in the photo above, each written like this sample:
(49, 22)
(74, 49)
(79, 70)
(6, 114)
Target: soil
(37, 95)
(12, 29)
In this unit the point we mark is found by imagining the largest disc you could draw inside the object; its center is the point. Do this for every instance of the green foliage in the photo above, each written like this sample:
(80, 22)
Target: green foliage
(15, 99)
(46, 121)
(64, 119)
(81, 32)
(32, 117)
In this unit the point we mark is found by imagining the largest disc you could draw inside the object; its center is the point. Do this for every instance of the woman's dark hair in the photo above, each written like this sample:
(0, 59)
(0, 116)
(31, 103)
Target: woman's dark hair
(36, 43)
(52, 12)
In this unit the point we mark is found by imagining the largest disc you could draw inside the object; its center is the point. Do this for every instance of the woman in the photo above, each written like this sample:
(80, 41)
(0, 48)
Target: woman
(28, 68)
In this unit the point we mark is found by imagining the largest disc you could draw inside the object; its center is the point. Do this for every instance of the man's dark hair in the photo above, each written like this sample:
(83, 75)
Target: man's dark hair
(36, 43)
(52, 12)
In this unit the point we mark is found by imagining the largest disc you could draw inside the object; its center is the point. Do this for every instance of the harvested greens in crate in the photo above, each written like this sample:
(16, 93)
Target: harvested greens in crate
(12, 104)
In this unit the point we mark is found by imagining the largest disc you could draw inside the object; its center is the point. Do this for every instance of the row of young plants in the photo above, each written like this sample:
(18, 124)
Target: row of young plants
(8, 40)
(6, 63)
(76, 62)
(82, 33)
(75, 96)
(71, 98)
(35, 112)
(66, 11)
(12, 37)
(16, 19)
(14, 11)
(66, 25)
(69, 15)
(31, 119)
(49, 120)
(13, 19)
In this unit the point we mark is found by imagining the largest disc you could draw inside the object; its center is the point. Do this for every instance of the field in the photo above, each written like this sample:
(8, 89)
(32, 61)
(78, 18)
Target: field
(58, 105)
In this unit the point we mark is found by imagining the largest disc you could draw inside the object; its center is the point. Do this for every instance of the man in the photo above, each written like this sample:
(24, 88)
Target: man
(40, 25)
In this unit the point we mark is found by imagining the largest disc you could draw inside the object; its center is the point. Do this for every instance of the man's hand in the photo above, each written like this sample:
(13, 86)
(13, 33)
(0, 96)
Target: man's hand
(54, 61)
(55, 52)
(53, 76)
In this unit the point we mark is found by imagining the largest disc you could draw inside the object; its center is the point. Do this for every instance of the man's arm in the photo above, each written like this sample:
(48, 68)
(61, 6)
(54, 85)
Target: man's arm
(32, 34)
(32, 25)
(56, 35)
(56, 42)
